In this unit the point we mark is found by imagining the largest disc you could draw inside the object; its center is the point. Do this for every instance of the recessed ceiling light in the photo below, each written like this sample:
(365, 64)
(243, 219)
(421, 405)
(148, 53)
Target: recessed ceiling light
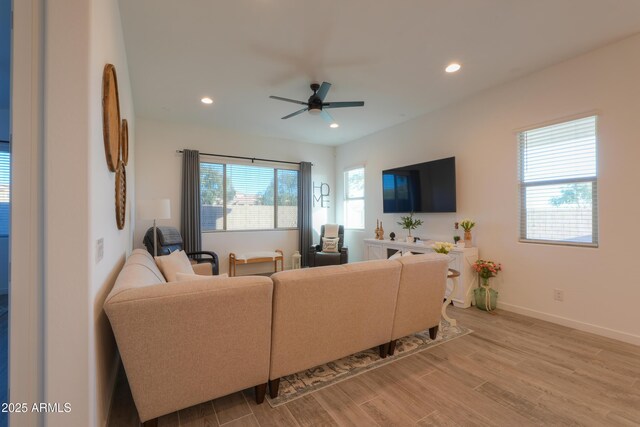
(206, 100)
(453, 67)
(334, 125)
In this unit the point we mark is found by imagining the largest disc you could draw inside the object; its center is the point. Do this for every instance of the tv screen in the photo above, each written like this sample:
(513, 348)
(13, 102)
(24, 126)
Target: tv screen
(425, 187)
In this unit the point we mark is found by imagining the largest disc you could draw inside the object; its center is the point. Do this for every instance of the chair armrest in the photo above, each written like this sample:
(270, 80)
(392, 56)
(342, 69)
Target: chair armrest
(215, 263)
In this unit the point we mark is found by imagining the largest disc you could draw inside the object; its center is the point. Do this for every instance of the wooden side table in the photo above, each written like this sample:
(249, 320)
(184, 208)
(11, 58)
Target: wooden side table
(256, 257)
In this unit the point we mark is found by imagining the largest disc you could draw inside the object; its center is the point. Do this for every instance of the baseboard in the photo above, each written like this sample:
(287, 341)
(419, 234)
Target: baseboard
(581, 326)
(112, 383)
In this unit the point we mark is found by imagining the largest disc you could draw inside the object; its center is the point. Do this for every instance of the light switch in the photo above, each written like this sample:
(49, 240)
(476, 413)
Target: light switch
(99, 249)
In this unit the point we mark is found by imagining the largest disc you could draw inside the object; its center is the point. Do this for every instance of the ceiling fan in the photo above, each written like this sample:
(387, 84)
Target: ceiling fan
(316, 104)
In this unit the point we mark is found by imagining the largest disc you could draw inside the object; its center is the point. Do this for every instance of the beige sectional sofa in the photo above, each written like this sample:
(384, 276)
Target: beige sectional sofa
(183, 343)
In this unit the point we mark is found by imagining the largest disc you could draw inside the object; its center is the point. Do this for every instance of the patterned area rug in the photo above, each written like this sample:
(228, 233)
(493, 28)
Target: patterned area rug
(302, 383)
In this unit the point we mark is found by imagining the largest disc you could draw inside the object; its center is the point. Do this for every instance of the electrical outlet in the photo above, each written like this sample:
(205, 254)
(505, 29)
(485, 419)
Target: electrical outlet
(99, 249)
(558, 294)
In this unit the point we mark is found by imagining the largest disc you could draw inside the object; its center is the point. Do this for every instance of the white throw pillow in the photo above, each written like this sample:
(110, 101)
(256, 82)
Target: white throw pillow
(409, 253)
(186, 277)
(397, 255)
(330, 244)
(176, 262)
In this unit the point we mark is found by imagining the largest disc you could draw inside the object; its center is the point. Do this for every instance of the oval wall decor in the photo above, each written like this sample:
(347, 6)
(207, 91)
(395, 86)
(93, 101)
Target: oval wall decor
(121, 195)
(111, 116)
(124, 142)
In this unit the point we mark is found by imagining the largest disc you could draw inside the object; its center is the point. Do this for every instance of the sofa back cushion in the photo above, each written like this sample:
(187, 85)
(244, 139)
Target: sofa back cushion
(139, 270)
(325, 313)
(421, 292)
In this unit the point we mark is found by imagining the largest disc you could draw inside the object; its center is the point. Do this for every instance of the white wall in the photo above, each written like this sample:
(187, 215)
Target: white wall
(601, 292)
(107, 46)
(159, 169)
(80, 353)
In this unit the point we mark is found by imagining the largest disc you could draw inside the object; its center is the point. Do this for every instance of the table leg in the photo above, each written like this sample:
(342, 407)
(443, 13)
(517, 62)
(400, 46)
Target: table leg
(452, 322)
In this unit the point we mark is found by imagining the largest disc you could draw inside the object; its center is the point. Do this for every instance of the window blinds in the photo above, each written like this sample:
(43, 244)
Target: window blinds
(5, 188)
(254, 197)
(558, 183)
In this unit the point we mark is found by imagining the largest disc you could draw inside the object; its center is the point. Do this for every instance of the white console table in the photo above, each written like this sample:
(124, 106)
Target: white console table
(461, 260)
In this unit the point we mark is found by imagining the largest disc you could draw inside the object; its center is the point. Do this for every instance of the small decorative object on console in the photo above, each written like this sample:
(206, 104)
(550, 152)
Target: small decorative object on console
(392, 236)
(296, 260)
(381, 232)
(467, 225)
(486, 297)
(442, 247)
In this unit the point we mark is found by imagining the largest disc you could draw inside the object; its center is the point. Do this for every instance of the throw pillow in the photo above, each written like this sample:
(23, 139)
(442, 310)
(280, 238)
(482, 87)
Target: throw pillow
(176, 262)
(186, 277)
(330, 244)
(408, 253)
(396, 255)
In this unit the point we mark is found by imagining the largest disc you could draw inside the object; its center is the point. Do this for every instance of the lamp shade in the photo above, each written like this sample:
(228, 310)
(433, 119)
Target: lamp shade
(154, 209)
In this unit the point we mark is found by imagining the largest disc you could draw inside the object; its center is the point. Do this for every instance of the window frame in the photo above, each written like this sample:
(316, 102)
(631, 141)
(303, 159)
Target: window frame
(224, 197)
(347, 198)
(522, 187)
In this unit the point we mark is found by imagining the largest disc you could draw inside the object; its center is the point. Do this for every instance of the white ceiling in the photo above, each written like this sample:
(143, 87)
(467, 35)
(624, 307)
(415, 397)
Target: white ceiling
(389, 53)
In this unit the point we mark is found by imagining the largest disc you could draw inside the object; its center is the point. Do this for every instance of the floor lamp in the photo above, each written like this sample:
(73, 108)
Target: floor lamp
(153, 210)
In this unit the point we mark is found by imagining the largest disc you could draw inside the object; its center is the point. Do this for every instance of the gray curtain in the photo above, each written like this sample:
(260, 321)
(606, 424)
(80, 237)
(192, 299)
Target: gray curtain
(305, 199)
(190, 209)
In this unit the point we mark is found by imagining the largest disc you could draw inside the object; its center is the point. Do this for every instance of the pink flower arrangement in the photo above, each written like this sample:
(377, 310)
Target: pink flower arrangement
(487, 269)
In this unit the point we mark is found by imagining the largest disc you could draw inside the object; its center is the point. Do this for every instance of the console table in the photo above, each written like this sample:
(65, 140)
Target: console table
(462, 260)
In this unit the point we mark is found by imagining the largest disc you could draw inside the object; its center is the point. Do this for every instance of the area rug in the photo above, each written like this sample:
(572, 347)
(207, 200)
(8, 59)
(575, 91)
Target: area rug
(302, 383)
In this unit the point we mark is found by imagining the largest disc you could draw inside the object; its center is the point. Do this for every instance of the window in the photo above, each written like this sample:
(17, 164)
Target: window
(247, 197)
(354, 198)
(5, 177)
(559, 183)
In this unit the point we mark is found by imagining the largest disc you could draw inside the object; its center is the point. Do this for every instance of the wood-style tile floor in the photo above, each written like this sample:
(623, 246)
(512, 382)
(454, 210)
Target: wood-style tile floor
(512, 371)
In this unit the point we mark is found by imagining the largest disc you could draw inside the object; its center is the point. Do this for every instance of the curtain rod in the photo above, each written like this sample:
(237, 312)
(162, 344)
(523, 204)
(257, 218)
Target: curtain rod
(253, 159)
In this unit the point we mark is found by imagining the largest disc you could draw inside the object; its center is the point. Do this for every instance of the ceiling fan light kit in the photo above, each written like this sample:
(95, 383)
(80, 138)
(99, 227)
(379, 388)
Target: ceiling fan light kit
(315, 104)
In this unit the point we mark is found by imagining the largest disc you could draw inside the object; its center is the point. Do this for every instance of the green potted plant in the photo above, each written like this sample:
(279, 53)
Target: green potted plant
(467, 225)
(408, 223)
(485, 296)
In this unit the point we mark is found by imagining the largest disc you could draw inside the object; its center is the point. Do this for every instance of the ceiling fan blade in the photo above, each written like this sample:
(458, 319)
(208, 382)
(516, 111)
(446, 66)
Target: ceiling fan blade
(322, 92)
(327, 117)
(343, 104)
(296, 113)
(279, 98)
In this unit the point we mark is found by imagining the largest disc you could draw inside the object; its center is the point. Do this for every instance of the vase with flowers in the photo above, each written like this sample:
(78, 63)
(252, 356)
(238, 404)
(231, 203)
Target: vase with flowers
(442, 247)
(408, 223)
(467, 225)
(485, 296)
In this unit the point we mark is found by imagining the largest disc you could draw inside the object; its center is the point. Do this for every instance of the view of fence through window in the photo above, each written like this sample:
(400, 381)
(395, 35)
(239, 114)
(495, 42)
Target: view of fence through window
(558, 183)
(256, 197)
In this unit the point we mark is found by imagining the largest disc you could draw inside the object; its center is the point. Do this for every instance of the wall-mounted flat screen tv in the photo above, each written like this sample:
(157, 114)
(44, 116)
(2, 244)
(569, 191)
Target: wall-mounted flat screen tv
(425, 187)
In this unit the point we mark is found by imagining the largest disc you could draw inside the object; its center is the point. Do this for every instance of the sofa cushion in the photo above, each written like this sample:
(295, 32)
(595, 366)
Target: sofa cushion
(330, 244)
(325, 313)
(139, 270)
(176, 262)
(186, 277)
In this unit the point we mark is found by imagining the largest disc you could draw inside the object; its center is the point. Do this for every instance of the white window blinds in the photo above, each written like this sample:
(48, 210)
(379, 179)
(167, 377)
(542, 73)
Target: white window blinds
(247, 197)
(5, 188)
(559, 183)
(354, 198)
